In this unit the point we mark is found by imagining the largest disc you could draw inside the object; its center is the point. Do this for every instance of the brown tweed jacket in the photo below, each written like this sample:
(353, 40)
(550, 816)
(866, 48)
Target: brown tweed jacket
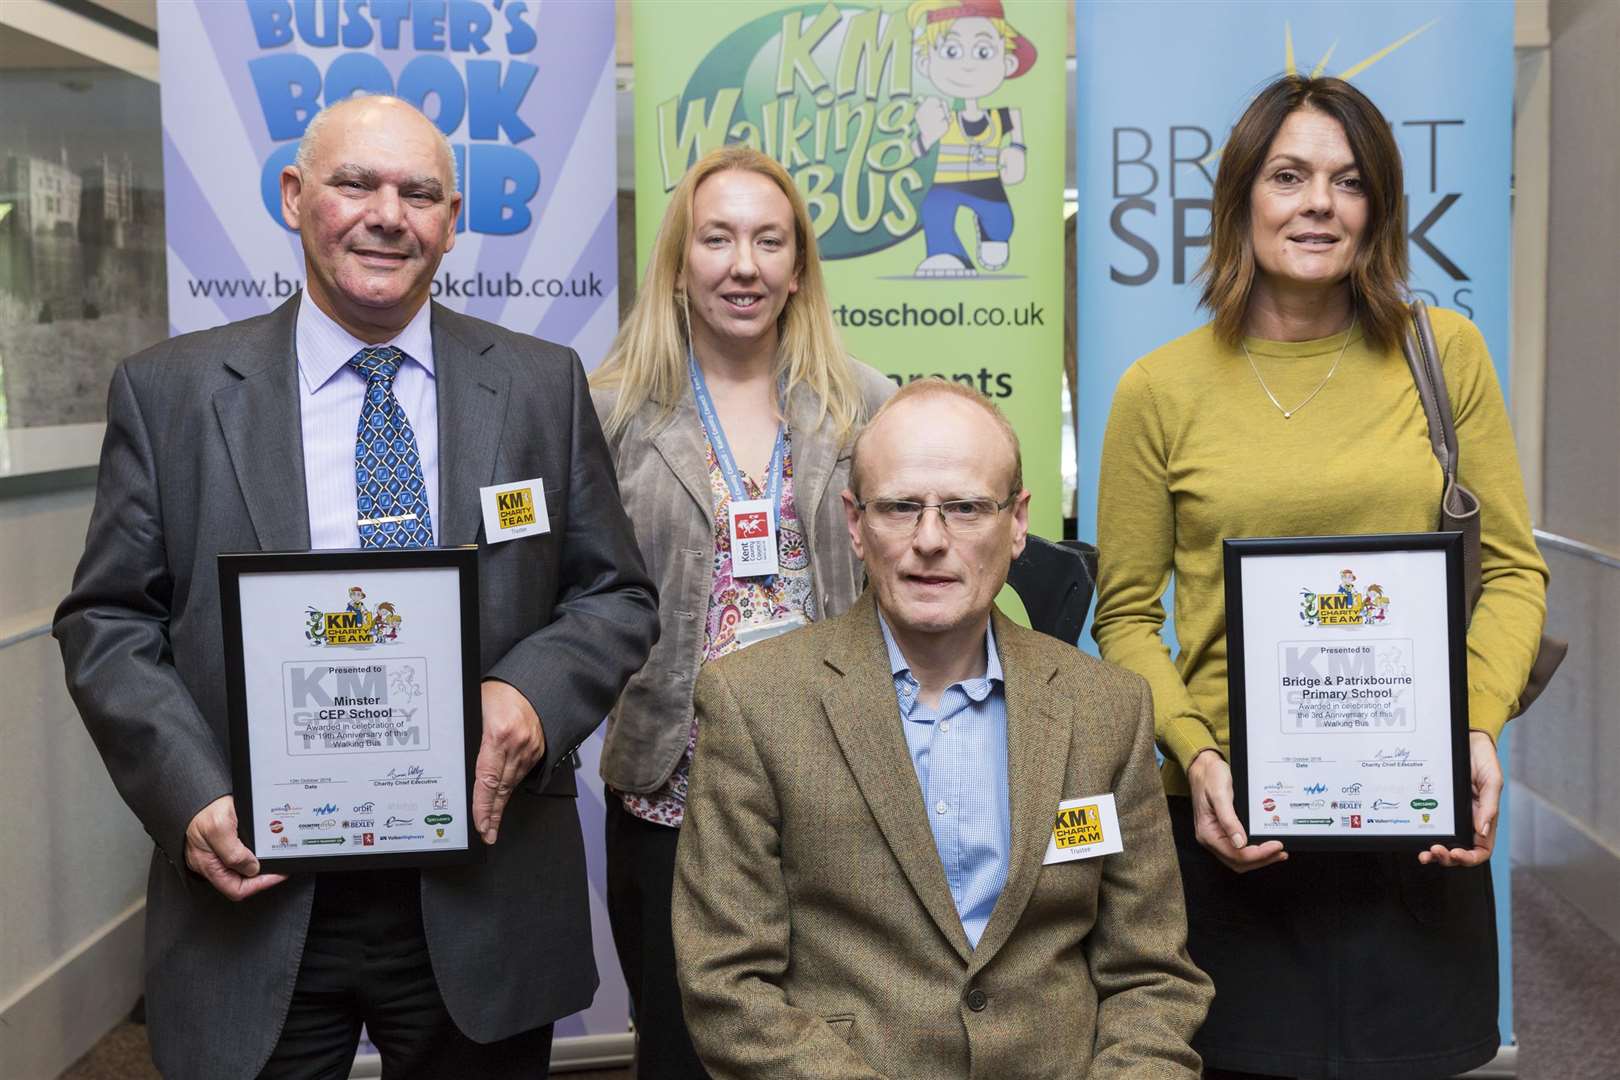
(814, 929)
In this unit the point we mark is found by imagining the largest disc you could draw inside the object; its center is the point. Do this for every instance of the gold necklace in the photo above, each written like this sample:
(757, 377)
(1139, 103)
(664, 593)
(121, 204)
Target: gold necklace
(1288, 414)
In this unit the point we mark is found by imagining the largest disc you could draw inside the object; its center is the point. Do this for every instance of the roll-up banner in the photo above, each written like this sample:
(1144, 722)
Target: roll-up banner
(525, 93)
(947, 262)
(1158, 87)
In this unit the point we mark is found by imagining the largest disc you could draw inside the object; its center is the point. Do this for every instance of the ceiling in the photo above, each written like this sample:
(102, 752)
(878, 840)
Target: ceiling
(141, 11)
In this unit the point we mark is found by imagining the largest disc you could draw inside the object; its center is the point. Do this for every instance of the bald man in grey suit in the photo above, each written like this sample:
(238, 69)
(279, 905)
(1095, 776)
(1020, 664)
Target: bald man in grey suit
(243, 438)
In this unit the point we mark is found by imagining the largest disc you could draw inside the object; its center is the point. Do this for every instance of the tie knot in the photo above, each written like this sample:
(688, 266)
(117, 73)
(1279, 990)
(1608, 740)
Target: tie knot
(377, 362)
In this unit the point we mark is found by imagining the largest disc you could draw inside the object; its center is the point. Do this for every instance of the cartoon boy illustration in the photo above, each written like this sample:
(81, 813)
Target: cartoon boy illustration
(1347, 587)
(357, 602)
(967, 49)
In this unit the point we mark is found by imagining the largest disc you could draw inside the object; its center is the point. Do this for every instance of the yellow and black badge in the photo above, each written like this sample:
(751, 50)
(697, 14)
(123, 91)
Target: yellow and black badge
(516, 507)
(1078, 826)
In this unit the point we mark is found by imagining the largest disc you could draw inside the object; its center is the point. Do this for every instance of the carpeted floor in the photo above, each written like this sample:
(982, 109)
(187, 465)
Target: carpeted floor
(1566, 988)
(1566, 1001)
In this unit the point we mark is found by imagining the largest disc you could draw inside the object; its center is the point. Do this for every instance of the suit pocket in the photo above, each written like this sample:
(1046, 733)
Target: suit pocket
(842, 1025)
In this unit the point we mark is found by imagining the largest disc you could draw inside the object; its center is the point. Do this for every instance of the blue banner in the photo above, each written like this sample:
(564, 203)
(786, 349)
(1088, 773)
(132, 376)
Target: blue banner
(1158, 88)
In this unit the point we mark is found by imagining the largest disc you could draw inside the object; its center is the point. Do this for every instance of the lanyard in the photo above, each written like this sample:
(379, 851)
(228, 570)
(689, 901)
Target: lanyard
(722, 448)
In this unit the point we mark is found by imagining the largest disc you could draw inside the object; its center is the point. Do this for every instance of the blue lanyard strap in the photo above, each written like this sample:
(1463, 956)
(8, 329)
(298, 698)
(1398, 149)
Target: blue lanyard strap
(722, 448)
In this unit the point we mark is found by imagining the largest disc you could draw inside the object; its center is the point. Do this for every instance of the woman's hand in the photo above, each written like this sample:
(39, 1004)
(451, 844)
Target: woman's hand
(1215, 821)
(1487, 775)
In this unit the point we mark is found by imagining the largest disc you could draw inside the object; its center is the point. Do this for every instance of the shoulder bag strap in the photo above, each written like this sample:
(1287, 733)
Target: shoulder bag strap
(1459, 509)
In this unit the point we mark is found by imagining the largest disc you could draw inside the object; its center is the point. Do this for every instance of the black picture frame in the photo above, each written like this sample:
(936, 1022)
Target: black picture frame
(232, 567)
(1235, 552)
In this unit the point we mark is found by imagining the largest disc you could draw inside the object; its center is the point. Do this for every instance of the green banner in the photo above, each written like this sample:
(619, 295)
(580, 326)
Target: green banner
(948, 262)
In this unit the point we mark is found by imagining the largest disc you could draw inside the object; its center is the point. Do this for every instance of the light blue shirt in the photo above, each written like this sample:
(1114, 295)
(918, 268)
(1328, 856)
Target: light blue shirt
(330, 394)
(960, 753)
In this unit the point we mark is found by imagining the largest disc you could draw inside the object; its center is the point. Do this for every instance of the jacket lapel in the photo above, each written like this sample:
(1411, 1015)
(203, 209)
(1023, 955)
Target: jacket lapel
(262, 426)
(472, 389)
(865, 718)
(1037, 761)
(815, 455)
(680, 443)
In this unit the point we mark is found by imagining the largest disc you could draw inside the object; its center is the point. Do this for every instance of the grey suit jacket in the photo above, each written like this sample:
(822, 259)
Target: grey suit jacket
(203, 455)
(815, 932)
(664, 476)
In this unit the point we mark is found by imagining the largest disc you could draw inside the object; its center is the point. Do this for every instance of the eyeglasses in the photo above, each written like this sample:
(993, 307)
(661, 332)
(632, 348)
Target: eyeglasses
(958, 515)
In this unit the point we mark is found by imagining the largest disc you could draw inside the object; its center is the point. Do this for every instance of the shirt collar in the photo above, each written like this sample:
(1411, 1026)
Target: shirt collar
(977, 688)
(324, 347)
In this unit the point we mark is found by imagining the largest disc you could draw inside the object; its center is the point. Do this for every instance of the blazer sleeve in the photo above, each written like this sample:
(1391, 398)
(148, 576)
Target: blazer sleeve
(731, 918)
(605, 619)
(113, 629)
(1151, 998)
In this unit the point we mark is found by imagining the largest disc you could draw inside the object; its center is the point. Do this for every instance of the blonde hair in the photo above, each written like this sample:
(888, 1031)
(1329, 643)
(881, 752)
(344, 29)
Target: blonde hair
(925, 34)
(647, 361)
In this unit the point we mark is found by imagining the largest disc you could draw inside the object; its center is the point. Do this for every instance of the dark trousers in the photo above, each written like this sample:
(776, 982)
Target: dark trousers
(641, 877)
(366, 962)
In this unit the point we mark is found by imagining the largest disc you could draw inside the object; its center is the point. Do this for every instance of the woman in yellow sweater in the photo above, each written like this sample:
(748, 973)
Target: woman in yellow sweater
(1294, 413)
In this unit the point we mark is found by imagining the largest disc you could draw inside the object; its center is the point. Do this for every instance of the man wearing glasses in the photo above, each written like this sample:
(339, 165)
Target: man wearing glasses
(923, 841)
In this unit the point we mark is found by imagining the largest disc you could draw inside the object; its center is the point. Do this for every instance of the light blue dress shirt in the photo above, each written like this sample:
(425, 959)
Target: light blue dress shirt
(330, 394)
(960, 753)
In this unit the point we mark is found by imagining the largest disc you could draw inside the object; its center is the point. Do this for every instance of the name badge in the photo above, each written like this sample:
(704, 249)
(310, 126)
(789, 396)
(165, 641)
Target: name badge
(1083, 829)
(753, 538)
(514, 510)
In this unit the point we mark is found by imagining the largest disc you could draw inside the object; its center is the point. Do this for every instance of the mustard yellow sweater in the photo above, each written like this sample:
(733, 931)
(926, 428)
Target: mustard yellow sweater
(1195, 453)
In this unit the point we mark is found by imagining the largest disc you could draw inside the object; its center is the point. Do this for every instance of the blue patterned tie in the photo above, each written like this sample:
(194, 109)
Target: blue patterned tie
(387, 463)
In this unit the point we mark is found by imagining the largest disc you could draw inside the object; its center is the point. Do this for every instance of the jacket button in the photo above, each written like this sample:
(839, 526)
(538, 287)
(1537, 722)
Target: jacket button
(977, 999)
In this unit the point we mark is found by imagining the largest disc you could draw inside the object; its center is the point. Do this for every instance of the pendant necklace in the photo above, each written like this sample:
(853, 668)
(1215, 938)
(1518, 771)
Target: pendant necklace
(1288, 414)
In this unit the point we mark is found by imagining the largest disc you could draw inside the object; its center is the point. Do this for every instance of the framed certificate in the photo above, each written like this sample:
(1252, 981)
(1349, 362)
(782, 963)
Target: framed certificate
(1347, 674)
(352, 687)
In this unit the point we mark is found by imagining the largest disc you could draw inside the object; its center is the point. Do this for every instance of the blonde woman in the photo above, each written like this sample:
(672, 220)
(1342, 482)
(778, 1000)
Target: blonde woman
(730, 407)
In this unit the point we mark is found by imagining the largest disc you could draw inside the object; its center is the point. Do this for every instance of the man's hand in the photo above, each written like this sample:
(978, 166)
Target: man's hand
(1487, 774)
(214, 852)
(513, 742)
(1216, 822)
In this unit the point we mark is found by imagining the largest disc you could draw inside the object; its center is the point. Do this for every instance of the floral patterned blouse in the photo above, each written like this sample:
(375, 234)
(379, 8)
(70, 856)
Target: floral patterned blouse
(735, 603)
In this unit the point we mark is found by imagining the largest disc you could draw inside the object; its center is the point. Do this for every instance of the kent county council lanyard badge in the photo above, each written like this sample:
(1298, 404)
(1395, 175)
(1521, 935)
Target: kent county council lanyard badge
(753, 521)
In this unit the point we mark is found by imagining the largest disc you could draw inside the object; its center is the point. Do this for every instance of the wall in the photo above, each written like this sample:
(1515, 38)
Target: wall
(1567, 765)
(72, 856)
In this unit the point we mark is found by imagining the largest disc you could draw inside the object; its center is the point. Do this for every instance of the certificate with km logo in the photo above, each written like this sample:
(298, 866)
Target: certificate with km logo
(1347, 684)
(352, 684)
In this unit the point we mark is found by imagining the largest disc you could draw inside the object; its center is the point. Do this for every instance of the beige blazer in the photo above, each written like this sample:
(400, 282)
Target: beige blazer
(815, 933)
(664, 482)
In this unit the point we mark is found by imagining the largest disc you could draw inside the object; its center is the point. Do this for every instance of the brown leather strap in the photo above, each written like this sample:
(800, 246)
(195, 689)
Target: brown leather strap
(1423, 358)
(1459, 508)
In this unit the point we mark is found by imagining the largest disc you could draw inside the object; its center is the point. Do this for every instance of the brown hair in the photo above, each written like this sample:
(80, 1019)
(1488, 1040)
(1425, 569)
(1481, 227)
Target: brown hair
(1378, 274)
(936, 385)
